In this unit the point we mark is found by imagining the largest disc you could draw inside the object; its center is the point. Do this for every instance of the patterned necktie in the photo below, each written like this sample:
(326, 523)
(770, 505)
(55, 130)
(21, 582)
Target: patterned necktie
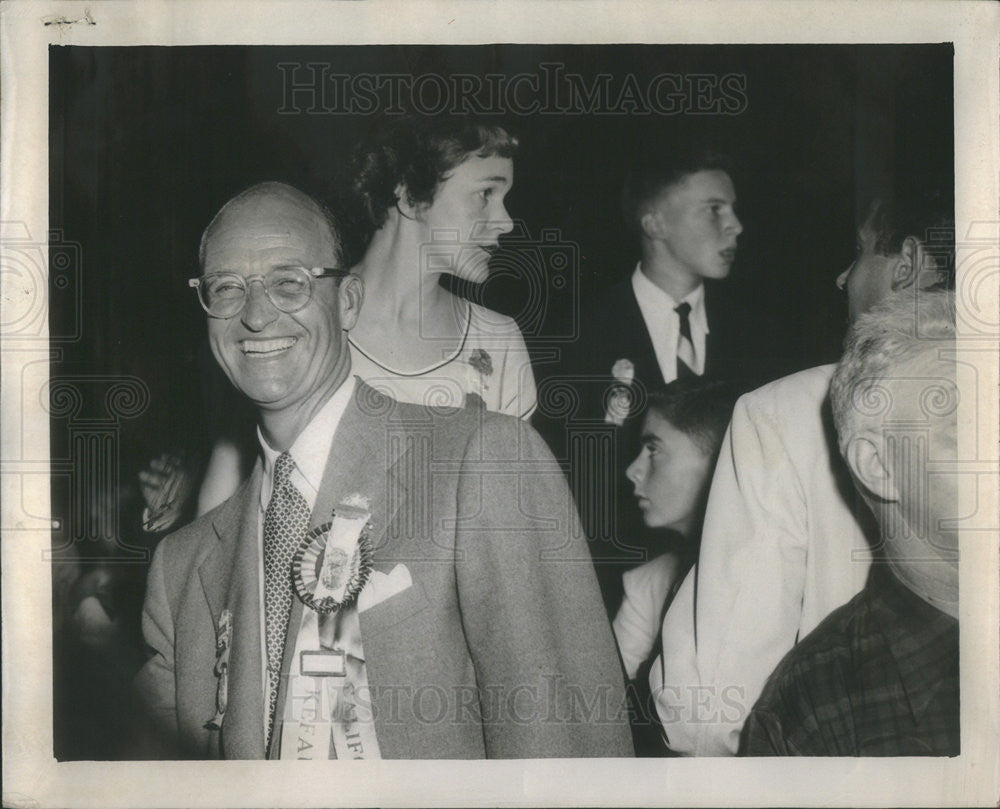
(285, 523)
(685, 345)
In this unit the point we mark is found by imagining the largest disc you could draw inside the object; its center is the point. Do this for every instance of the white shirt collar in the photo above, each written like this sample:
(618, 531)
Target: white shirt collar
(648, 293)
(312, 447)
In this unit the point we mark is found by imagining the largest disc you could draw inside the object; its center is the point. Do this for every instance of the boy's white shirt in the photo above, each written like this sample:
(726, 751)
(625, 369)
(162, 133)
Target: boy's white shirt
(663, 323)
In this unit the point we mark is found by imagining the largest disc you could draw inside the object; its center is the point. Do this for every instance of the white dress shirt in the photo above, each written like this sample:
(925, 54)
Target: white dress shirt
(664, 324)
(310, 452)
(637, 622)
(782, 546)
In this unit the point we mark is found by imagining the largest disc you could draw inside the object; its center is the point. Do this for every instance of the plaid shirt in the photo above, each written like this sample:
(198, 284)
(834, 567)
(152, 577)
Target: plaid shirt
(879, 677)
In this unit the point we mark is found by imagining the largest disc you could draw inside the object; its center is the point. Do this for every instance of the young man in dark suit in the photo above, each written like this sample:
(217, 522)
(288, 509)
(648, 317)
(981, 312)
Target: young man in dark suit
(660, 323)
(686, 225)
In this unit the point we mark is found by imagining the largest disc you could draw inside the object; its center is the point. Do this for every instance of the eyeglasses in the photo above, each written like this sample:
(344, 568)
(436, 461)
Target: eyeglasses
(224, 294)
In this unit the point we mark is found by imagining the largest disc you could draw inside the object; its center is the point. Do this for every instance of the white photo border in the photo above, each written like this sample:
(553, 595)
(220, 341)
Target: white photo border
(32, 777)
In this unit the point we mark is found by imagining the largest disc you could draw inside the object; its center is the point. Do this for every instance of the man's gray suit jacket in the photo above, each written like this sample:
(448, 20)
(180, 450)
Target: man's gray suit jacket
(500, 648)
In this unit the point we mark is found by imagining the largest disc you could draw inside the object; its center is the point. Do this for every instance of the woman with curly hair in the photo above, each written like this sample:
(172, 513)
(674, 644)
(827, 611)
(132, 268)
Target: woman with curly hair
(428, 196)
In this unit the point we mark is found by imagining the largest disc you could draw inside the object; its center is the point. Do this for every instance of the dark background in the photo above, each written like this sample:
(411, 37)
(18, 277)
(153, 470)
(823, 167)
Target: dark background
(147, 143)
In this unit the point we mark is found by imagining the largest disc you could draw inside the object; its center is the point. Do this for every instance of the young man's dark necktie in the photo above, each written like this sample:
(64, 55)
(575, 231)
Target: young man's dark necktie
(685, 345)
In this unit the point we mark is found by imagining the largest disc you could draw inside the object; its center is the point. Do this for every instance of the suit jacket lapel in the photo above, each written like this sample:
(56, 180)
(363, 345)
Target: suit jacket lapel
(230, 579)
(647, 369)
(360, 463)
(714, 322)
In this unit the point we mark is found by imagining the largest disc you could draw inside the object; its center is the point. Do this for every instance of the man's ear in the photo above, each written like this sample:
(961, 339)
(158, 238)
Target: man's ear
(870, 470)
(350, 295)
(650, 223)
(907, 264)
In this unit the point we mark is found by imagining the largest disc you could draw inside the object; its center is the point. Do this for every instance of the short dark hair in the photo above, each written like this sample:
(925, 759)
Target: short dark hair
(698, 407)
(417, 152)
(927, 214)
(643, 185)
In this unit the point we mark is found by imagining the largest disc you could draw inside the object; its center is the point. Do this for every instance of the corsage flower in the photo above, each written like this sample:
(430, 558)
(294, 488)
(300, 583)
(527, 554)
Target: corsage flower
(481, 367)
(619, 400)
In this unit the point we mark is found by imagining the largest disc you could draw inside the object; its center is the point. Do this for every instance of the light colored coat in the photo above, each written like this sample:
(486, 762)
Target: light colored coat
(786, 541)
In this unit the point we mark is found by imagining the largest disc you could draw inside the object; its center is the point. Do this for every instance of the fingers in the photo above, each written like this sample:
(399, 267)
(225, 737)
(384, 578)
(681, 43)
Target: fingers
(158, 481)
(165, 463)
(161, 522)
(152, 480)
(165, 484)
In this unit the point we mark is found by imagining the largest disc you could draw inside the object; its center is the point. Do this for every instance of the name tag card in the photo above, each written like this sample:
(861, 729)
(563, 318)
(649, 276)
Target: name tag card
(325, 663)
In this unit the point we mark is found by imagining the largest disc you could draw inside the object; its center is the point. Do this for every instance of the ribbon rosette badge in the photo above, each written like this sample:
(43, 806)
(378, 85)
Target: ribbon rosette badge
(223, 641)
(334, 561)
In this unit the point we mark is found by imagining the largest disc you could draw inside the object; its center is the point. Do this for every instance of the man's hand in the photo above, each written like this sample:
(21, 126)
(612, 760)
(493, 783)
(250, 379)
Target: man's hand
(166, 484)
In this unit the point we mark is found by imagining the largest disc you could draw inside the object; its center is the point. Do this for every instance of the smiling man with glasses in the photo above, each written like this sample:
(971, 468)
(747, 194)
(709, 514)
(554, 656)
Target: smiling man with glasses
(276, 324)
(392, 581)
(286, 319)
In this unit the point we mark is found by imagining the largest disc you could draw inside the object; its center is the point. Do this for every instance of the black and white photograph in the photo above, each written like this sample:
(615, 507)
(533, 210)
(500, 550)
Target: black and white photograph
(605, 395)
